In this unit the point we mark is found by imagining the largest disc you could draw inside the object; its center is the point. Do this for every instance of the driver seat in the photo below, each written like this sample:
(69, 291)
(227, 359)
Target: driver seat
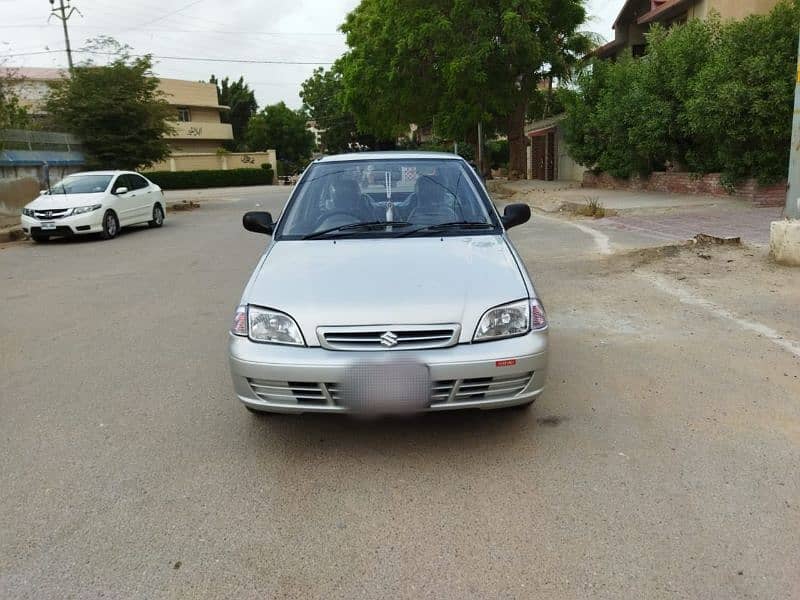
(347, 198)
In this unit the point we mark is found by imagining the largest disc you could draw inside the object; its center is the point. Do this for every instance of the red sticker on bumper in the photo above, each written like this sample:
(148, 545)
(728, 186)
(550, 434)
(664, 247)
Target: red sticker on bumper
(506, 363)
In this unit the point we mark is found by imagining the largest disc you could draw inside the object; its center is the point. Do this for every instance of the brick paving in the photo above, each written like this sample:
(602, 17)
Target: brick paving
(749, 223)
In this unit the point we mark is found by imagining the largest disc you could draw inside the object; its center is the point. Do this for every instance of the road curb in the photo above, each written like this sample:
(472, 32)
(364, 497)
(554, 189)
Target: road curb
(12, 235)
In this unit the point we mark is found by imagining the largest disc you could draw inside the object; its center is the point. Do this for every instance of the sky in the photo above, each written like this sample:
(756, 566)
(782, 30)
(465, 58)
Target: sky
(294, 31)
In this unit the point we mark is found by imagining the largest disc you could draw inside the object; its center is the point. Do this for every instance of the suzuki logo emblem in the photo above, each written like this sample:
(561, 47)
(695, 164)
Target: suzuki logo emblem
(389, 339)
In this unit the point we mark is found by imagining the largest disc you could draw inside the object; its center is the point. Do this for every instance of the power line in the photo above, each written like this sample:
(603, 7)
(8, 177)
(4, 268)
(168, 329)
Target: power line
(166, 15)
(206, 31)
(184, 58)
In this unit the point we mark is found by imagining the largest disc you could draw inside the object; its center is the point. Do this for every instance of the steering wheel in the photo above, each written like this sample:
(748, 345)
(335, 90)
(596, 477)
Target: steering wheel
(336, 213)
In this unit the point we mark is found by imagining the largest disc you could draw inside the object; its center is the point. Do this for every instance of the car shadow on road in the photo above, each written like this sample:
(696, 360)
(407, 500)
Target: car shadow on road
(95, 237)
(304, 436)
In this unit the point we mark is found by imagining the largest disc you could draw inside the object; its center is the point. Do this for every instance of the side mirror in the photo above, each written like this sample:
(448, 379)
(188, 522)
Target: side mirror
(516, 214)
(120, 190)
(44, 192)
(258, 222)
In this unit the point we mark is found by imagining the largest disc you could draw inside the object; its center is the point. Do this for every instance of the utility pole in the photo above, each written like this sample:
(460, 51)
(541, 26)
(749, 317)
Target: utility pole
(792, 210)
(63, 13)
(784, 235)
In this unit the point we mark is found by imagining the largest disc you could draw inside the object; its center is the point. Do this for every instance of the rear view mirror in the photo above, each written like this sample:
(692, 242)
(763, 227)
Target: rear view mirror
(516, 214)
(121, 190)
(258, 222)
(44, 192)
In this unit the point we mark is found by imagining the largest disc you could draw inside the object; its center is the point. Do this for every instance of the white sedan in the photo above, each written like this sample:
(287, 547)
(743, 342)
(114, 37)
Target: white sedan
(94, 202)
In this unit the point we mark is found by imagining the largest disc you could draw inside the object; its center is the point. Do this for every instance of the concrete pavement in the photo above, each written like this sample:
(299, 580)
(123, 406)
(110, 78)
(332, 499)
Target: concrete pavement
(660, 463)
(638, 219)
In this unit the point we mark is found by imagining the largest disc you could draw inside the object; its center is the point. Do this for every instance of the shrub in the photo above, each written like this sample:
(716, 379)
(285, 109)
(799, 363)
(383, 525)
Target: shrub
(187, 180)
(707, 96)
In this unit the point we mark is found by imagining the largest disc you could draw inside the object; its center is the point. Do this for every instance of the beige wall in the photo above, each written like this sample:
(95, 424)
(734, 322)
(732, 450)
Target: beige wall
(737, 9)
(188, 131)
(194, 146)
(239, 160)
(568, 169)
(188, 93)
(204, 115)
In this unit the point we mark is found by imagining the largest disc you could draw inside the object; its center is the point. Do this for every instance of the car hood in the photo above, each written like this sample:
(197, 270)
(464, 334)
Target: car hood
(56, 201)
(410, 281)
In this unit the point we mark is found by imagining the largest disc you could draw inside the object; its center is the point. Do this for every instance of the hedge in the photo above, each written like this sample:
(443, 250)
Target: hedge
(709, 96)
(187, 180)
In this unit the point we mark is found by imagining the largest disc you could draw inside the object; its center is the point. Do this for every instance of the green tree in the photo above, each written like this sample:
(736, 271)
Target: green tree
(13, 115)
(706, 97)
(322, 95)
(740, 103)
(452, 62)
(280, 128)
(242, 102)
(115, 109)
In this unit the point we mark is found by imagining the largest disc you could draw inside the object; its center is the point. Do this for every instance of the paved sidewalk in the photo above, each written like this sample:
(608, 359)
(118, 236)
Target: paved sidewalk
(643, 217)
(751, 224)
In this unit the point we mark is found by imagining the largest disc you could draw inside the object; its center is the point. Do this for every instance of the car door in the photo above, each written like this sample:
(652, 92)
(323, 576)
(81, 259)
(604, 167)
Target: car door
(124, 203)
(142, 197)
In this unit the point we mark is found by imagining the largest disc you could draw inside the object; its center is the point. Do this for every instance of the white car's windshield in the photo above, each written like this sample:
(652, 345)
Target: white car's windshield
(383, 198)
(82, 184)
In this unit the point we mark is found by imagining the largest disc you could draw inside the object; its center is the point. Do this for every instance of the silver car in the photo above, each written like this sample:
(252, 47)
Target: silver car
(389, 285)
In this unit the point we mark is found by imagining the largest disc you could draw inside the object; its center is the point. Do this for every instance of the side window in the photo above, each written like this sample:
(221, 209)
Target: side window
(122, 181)
(136, 182)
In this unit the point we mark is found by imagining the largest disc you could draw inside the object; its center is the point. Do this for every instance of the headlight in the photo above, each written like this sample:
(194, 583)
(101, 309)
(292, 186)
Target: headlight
(273, 327)
(510, 320)
(85, 209)
(28, 212)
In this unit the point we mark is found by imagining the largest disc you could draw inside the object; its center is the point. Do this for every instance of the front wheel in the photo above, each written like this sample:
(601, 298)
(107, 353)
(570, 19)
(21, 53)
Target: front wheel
(110, 226)
(158, 217)
(39, 237)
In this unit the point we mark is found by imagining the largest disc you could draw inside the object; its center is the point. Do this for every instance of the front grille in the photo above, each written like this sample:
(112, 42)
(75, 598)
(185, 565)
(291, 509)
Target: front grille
(290, 392)
(58, 231)
(449, 391)
(388, 337)
(51, 215)
(482, 388)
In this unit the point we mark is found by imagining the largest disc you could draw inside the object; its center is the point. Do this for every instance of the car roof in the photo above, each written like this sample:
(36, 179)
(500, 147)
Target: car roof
(101, 172)
(396, 154)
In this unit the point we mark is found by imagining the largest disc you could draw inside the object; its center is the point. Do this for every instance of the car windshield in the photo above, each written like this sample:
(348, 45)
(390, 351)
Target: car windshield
(386, 198)
(82, 184)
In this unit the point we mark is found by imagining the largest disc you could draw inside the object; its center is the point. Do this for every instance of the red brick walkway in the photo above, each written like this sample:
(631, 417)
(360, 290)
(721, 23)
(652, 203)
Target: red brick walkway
(751, 224)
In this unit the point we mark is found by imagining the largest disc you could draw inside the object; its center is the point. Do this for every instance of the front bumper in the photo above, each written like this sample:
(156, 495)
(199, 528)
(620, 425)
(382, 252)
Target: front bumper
(488, 375)
(91, 222)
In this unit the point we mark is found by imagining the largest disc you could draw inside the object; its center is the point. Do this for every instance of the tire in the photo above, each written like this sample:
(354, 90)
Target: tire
(110, 226)
(40, 237)
(158, 217)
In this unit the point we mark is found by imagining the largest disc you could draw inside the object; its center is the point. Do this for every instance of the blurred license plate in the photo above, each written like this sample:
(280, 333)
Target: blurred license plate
(46, 226)
(398, 386)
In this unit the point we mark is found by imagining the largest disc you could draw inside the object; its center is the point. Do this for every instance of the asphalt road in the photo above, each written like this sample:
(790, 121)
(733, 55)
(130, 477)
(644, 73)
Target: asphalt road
(662, 462)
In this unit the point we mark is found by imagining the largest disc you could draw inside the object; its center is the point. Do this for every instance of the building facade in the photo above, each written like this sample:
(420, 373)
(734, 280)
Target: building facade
(637, 16)
(199, 133)
(198, 126)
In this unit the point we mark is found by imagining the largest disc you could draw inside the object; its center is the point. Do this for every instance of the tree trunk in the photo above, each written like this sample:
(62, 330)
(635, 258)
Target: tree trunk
(517, 154)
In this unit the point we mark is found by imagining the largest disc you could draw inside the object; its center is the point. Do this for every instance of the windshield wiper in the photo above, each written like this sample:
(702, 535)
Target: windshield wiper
(369, 225)
(448, 226)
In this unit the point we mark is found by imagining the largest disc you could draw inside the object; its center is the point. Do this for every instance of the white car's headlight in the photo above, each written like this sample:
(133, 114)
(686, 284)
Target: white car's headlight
(510, 320)
(28, 212)
(265, 325)
(79, 210)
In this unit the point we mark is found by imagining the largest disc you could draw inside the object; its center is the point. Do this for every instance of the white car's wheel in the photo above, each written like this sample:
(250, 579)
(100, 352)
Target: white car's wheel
(158, 216)
(110, 225)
